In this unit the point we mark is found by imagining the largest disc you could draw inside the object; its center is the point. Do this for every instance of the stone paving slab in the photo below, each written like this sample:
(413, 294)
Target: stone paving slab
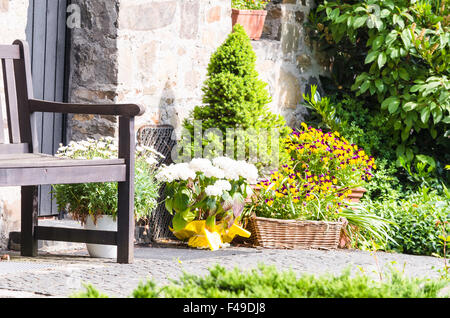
(62, 275)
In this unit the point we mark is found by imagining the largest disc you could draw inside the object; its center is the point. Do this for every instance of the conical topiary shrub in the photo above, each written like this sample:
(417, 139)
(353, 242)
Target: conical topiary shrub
(234, 97)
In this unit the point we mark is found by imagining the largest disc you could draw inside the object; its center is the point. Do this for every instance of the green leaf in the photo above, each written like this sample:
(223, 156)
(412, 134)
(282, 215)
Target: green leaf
(426, 159)
(178, 222)
(437, 114)
(371, 57)
(211, 204)
(188, 215)
(365, 86)
(425, 115)
(376, 44)
(391, 37)
(380, 85)
(406, 38)
(169, 205)
(181, 202)
(211, 222)
(359, 22)
(382, 59)
(409, 106)
(334, 14)
(391, 103)
(405, 133)
(403, 74)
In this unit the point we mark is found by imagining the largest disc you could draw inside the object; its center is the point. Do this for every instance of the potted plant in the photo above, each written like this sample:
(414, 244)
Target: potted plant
(207, 199)
(299, 205)
(316, 153)
(251, 15)
(95, 204)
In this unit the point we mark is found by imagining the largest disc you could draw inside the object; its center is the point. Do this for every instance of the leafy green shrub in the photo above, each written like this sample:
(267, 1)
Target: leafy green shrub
(95, 199)
(395, 56)
(417, 218)
(234, 97)
(249, 4)
(268, 282)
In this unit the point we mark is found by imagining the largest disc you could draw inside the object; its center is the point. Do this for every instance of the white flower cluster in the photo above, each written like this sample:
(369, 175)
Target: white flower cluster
(104, 148)
(234, 169)
(175, 172)
(219, 168)
(218, 188)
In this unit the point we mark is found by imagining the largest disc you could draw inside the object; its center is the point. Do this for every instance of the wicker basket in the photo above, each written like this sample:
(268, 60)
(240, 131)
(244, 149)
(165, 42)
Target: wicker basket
(294, 234)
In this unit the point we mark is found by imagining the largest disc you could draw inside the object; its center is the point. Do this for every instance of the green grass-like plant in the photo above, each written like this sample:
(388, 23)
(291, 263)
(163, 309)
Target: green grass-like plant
(268, 282)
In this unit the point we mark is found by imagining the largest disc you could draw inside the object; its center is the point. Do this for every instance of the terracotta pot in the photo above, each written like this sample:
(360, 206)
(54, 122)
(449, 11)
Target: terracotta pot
(251, 20)
(356, 194)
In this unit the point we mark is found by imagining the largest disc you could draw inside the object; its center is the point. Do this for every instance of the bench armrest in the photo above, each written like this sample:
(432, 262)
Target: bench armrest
(126, 110)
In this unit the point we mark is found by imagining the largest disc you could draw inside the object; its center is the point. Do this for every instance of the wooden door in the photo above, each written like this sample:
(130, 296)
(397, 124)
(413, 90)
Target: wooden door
(46, 34)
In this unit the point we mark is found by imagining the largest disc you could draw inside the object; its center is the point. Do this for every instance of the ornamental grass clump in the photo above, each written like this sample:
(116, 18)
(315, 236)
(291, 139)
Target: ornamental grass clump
(207, 199)
(97, 199)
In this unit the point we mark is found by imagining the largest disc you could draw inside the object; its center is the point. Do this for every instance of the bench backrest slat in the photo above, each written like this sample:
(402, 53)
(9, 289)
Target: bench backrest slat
(9, 52)
(15, 61)
(12, 112)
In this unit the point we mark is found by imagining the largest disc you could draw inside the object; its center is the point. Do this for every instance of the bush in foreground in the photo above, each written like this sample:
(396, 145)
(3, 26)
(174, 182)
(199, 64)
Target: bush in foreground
(268, 282)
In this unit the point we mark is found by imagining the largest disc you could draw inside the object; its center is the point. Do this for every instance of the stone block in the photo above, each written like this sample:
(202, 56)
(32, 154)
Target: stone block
(147, 56)
(290, 38)
(303, 61)
(300, 17)
(148, 16)
(290, 90)
(190, 11)
(214, 14)
(4, 5)
(290, 1)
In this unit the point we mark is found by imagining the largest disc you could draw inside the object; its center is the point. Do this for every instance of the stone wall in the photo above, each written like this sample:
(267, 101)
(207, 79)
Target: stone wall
(155, 53)
(287, 59)
(13, 20)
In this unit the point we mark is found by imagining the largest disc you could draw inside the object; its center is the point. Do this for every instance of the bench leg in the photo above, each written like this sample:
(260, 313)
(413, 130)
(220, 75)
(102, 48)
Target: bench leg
(125, 226)
(29, 215)
(125, 213)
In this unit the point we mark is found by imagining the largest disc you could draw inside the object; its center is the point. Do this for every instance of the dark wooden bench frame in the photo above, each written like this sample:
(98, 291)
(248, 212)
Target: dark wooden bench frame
(37, 169)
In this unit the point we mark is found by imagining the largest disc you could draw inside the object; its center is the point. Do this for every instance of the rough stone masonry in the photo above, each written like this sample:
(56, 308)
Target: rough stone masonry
(156, 53)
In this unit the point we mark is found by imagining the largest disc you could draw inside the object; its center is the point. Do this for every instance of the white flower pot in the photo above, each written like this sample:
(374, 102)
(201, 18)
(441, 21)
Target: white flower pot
(104, 223)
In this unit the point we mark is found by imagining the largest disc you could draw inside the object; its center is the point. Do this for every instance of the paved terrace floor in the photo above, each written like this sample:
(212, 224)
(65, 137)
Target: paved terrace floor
(61, 274)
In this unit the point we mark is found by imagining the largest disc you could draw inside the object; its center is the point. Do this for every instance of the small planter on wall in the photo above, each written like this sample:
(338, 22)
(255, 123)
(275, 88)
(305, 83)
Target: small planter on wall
(252, 21)
(356, 195)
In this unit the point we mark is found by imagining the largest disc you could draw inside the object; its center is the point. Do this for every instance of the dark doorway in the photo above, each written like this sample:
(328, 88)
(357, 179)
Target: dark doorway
(46, 34)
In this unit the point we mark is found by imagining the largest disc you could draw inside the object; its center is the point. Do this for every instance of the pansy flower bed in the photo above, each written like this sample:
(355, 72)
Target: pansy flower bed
(309, 190)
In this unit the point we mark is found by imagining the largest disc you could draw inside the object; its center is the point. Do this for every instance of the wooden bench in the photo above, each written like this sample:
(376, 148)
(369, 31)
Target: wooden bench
(22, 165)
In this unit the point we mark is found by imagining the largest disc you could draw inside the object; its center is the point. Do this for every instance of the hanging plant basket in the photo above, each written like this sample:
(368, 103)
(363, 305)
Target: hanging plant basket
(294, 234)
(252, 21)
